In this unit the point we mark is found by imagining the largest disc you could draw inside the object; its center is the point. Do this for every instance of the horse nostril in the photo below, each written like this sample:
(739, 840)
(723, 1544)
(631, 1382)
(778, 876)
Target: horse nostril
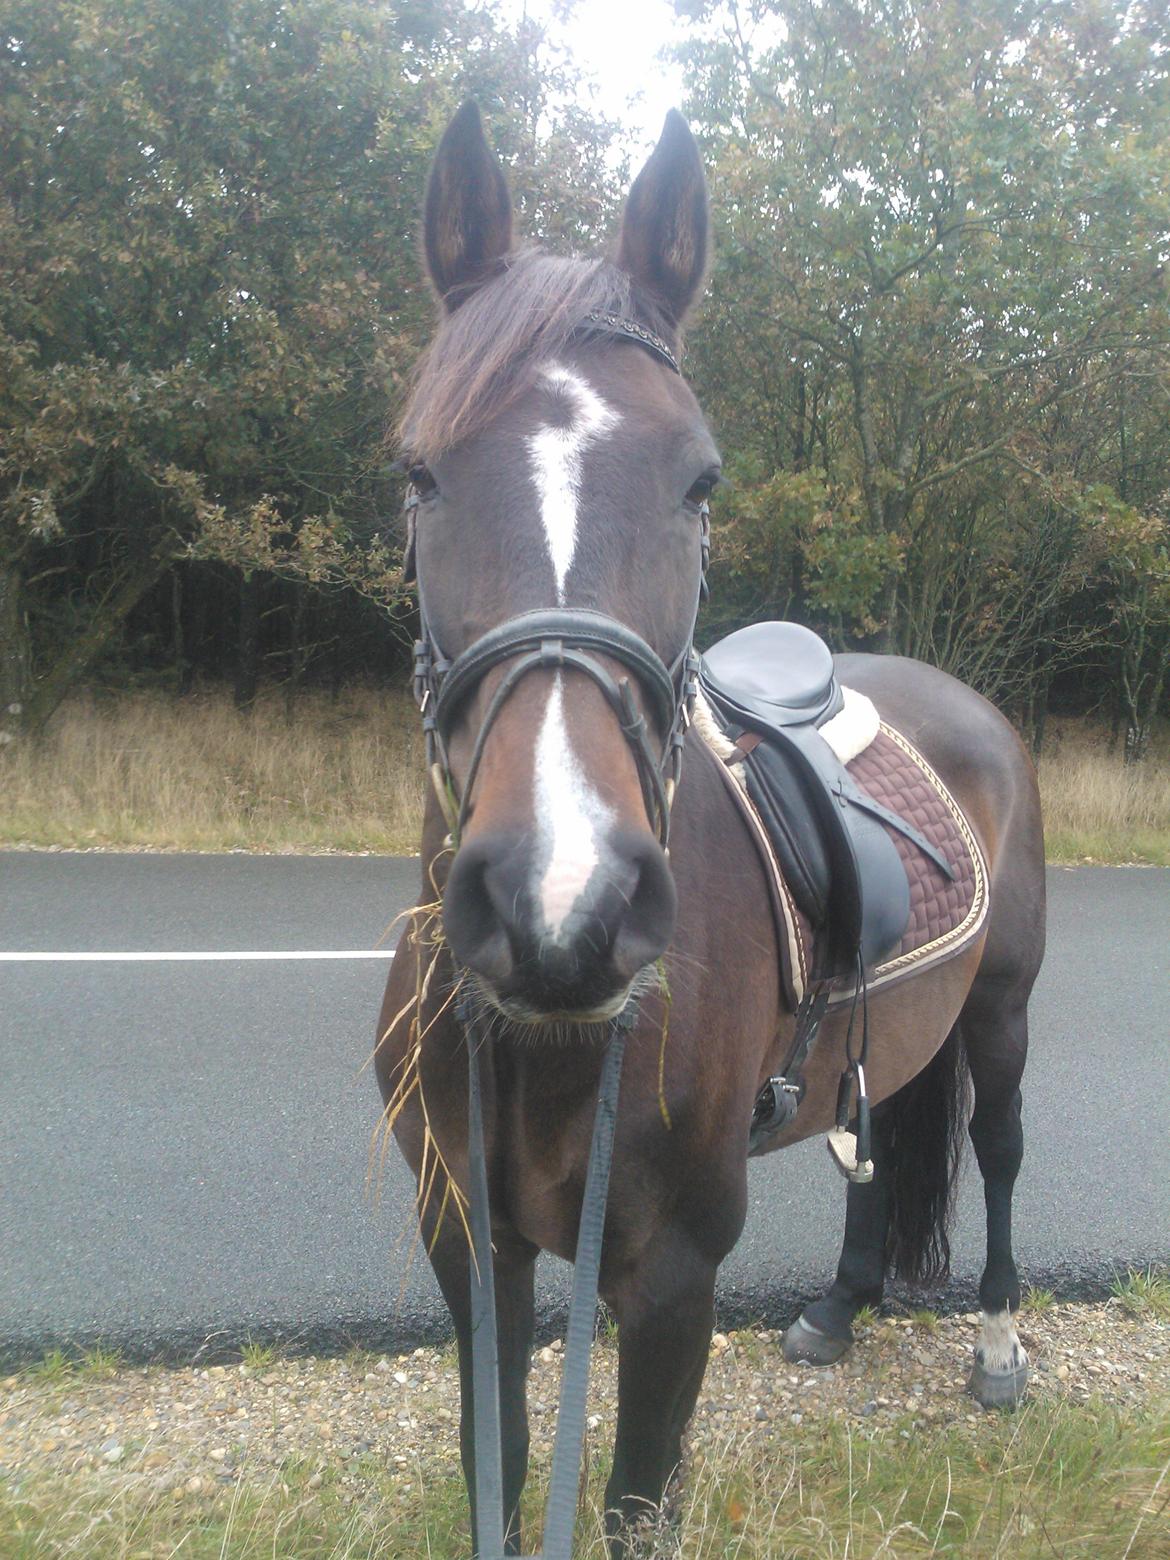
(475, 929)
(645, 930)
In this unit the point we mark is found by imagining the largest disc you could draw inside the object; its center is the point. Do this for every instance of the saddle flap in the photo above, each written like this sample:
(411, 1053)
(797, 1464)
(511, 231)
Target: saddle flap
(772, 675)
(845, 866)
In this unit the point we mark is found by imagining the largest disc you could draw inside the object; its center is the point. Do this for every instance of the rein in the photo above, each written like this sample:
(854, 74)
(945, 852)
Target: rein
(561, 1506)
(580, 640)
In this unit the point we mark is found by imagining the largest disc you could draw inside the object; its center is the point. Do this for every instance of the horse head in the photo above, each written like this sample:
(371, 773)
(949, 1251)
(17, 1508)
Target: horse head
(560, 469)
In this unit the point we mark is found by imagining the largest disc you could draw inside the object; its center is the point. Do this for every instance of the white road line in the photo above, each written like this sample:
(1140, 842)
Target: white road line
(228, 957)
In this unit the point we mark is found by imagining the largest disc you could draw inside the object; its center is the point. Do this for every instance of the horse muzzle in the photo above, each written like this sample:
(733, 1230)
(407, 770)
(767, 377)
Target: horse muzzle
(547, 943)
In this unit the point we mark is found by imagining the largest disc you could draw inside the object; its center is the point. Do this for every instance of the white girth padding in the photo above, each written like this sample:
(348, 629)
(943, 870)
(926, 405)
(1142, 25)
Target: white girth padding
(853, 727)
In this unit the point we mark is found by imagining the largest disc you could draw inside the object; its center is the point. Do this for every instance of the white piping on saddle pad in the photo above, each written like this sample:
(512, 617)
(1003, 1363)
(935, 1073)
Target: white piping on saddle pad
(849, 733)
(713, 734)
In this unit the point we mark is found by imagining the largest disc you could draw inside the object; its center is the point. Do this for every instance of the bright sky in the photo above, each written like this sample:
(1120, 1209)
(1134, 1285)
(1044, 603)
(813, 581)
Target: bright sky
(616, 43)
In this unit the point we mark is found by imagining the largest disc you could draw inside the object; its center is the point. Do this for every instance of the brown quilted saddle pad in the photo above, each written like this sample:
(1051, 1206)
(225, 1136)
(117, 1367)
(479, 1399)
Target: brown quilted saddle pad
(946, 915)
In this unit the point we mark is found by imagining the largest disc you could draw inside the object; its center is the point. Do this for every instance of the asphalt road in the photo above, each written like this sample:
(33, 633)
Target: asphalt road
(183, 1143)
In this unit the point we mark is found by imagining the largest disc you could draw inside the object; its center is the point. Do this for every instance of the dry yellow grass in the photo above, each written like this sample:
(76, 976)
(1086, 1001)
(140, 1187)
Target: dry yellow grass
(142, 769)
(198, 774)
(1098, 809)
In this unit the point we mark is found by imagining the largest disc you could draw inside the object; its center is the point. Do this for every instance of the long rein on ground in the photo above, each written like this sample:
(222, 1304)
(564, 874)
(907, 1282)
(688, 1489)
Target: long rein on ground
(550, 638)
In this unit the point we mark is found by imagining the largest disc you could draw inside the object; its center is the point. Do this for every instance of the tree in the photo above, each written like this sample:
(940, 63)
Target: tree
(209, 296)
(941, 226)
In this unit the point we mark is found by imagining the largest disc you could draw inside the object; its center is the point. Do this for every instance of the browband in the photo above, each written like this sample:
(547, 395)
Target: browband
(600, 323)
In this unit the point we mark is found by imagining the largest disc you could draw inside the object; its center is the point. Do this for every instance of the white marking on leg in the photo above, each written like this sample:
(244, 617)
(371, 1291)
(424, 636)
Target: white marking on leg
(999, 1349)
(557, 459)
(570, 815)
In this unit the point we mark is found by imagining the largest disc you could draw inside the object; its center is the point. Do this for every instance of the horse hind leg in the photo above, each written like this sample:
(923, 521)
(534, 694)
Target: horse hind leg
(900, 1217)
(823, 1331)
(994, 1025)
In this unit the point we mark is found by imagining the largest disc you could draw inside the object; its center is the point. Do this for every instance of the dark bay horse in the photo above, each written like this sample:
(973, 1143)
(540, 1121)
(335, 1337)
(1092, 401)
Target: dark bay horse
(566, 468)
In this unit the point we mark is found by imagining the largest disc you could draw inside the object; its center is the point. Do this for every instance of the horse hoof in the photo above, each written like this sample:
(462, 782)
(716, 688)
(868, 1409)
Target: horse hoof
(997, 1389)
(805, 1344)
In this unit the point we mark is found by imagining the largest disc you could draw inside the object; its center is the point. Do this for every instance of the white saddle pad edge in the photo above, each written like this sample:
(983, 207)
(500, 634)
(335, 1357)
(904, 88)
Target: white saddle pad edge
(848, 733)
(853, 727)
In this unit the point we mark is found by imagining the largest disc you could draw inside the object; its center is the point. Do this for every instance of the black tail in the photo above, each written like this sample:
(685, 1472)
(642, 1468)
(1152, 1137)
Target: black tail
(929, 1121)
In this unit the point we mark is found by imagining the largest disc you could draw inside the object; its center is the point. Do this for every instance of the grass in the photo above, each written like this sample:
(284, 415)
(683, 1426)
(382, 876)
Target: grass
(198, 774)
(1079, 1480)
(1096, 809)
(94, 1364)
(257, 1356)
(143, 769)
(1037, 1300)
(1144, 1292)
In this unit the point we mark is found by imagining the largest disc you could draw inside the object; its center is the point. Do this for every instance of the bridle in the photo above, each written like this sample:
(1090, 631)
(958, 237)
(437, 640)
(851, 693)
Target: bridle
(555, 638)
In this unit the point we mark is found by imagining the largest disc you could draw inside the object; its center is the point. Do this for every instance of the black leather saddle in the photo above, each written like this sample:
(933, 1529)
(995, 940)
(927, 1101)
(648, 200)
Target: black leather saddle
(777, 681)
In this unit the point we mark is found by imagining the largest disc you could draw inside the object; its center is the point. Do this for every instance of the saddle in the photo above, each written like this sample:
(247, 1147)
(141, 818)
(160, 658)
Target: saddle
(774, 686)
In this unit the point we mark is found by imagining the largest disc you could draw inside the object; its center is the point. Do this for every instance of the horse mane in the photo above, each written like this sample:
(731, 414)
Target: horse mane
(488, 350)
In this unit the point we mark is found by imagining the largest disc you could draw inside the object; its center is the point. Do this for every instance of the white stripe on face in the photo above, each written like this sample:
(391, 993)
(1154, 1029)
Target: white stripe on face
(557, 459)
(569, 815)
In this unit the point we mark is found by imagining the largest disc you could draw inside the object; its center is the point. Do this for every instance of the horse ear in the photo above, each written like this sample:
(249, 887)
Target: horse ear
(664, 228)
(468, 217)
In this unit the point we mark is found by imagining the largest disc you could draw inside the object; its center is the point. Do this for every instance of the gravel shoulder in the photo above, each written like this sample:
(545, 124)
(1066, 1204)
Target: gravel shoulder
(182, 1432)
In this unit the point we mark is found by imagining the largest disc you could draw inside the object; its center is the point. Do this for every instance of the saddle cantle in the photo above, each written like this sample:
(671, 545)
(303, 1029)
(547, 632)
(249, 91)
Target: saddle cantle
(774, 684)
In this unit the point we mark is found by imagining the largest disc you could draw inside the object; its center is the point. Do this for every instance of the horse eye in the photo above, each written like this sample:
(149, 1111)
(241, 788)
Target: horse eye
(421, 480)
(701, 491)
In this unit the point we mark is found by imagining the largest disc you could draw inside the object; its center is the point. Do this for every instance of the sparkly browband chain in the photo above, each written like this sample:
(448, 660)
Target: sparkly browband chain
(598, 322)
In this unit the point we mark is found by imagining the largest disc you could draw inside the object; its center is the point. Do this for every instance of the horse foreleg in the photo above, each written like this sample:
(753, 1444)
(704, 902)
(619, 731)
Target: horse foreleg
(665, 1308)
(514, 1265)
(824, 1330)
(994, 1026)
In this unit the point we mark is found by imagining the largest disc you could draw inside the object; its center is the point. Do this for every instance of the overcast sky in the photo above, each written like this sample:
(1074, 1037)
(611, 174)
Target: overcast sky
(616, 43)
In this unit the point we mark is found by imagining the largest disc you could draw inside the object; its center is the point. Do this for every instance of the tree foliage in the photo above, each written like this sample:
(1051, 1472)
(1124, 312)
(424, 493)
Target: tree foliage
(944, 233)
(935, 344)
(209, 298)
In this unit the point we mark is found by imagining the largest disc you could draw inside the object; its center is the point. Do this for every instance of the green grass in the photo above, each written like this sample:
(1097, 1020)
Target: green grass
(925, 1318)
(1080, 1481)
(99, 1362)
(55, 1366)
(1144, 1292)
(257, 1356)
(1037, 1300)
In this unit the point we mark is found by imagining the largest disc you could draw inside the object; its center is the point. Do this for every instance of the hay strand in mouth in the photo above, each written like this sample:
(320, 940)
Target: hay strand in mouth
(426, 933)
(664, 990)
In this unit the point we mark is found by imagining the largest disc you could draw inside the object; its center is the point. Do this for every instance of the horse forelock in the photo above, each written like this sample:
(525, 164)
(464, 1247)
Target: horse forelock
(491, 348)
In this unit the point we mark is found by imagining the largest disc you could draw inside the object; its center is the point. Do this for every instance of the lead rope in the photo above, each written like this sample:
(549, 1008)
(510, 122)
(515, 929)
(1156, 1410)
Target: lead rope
(485, 1362)
(561, 1510)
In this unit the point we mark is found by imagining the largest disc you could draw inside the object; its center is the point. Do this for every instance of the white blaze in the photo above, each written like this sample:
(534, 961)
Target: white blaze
(557, 459)
(570, 815)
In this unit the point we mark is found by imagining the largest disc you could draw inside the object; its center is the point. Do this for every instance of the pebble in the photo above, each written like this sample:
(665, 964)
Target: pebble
(332, 1415)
